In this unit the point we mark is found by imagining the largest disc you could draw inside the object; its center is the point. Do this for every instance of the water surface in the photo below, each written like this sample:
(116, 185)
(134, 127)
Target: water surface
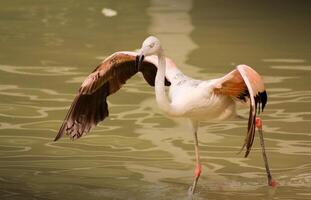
(48, 48)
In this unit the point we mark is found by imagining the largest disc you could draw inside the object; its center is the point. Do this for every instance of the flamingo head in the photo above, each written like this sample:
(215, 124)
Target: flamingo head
(151, 46)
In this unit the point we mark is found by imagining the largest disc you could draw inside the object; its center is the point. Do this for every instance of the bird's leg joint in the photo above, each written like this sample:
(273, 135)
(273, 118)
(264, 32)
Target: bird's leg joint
(258, 122)
(197, 171)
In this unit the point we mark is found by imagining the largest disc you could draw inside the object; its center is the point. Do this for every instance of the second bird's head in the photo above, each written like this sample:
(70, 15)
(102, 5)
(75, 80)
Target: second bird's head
(151, 46)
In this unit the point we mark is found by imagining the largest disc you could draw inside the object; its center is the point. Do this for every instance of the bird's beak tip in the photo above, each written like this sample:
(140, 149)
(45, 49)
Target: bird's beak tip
(139, 60)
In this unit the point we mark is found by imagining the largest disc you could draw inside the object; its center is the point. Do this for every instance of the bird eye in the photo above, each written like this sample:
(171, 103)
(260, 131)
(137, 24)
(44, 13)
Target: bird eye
(151, 45)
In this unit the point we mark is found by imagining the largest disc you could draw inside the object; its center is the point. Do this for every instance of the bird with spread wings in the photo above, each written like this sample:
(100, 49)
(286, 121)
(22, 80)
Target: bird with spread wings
(190, 98)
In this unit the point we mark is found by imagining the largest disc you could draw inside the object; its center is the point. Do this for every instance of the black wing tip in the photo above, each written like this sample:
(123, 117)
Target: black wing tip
(249, 144)
(57, 137)
(261, 100)
(61, 131)
(72, 131)
(149, 71)
(167, 82)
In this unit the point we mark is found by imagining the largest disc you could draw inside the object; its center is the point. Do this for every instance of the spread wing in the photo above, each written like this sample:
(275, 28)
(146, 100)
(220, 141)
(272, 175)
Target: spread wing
(245, 83)
(90, 104)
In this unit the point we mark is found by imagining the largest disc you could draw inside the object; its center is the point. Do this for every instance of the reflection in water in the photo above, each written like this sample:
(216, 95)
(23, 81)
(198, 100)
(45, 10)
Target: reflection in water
(139, 153)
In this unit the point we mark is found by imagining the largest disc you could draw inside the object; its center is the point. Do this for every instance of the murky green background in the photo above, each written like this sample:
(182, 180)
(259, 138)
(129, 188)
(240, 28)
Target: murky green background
(47, 49)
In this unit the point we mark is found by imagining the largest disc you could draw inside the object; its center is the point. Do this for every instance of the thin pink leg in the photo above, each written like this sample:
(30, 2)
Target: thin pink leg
(198, 167)
(271, 181)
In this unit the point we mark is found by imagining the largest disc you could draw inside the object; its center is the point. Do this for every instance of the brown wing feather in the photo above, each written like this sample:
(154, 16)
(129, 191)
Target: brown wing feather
(149, 71)
(89, 106)
(245, 83)
(85, 112)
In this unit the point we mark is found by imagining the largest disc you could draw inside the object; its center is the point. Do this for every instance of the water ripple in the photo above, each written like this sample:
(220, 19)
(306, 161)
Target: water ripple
(39, 70)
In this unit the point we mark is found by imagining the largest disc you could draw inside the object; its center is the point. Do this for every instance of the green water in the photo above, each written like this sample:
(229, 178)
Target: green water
(49, 47)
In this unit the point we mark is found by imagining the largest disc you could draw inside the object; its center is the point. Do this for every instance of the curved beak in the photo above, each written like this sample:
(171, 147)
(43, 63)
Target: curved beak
(139, 60)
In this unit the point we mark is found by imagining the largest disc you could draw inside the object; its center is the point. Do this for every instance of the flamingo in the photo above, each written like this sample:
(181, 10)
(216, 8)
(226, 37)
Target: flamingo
(189, 98)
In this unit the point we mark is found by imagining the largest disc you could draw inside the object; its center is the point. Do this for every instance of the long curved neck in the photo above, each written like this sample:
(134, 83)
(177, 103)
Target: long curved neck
(161, 97)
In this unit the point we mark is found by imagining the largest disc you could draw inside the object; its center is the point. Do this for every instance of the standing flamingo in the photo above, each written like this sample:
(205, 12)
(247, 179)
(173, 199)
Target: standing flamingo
(189, 98)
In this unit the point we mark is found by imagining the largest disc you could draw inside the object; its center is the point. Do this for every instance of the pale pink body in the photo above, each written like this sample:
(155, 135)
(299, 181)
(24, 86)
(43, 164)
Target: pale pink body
(192, 98)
